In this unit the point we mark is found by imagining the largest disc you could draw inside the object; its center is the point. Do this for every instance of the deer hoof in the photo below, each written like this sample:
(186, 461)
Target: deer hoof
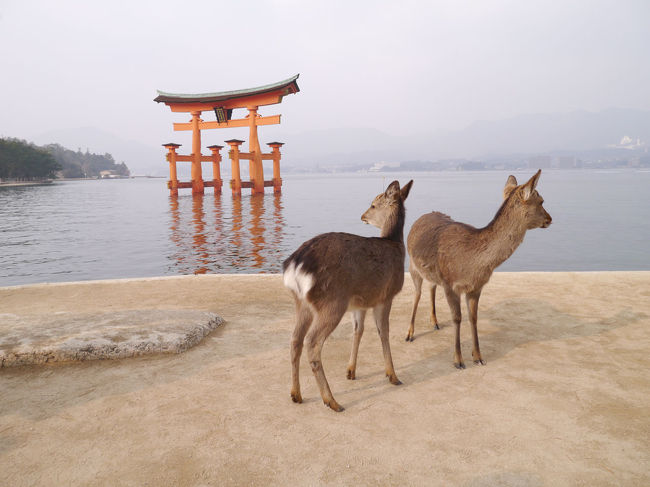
(351, 374)
(296, 397)
(436, 327)
(459, 366)
(479, 362)
(410, 338)
(335, 406)
(394, 380)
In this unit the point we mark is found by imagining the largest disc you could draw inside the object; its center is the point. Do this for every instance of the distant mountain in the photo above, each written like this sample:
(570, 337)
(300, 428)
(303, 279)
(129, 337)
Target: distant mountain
(539, 133)
(85, 164)
(531, 134)
(525, 134)
(339, 147)
(140, 158)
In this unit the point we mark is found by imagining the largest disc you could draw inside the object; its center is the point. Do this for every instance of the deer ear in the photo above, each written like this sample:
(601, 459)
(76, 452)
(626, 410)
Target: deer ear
(531, 184)
(392, 192)
(406, 189)
(511, 184)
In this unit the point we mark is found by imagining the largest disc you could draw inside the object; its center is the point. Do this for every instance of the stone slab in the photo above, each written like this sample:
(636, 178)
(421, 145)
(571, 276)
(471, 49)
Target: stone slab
(68, 336)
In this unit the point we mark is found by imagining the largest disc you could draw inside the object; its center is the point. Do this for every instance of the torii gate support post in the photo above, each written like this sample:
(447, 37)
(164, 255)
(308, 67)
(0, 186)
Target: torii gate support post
(173, 175)
(277, 180)
(216, 167)
(197, 172)
(256, 168)
(235, 182)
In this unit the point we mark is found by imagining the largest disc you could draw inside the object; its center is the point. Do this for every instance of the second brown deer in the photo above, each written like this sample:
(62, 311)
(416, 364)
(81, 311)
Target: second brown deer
(461, 258)
(334, 272)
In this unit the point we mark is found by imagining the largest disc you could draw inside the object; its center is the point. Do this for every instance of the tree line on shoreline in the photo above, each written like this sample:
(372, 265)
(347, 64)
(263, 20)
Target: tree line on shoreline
(24, 161)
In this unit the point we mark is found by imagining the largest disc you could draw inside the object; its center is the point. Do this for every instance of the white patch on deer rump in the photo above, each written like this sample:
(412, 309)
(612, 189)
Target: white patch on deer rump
(298, 281)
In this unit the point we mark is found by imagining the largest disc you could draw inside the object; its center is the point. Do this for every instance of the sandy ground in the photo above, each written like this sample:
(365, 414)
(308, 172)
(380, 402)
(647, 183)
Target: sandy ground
(563, 400)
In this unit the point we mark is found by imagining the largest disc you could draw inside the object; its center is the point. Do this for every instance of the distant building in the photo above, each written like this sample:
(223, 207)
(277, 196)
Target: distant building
(379, 166)
(630, 143)
(539, 162)
(634, 162)
(471, 166)
(566, 162)
(109, 174)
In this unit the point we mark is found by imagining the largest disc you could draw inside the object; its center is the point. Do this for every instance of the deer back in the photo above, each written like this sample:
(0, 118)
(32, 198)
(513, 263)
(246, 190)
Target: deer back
(342, 266)
(444, 251)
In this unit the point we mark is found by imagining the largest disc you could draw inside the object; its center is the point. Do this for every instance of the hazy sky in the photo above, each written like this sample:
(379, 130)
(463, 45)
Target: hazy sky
(398, 66)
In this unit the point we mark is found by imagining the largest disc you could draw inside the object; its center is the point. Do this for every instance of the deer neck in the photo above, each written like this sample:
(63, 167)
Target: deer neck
(393, 228)
(502, 236)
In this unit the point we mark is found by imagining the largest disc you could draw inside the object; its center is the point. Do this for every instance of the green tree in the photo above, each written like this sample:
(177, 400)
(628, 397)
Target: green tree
(24, 161)
(21, 160)
(85, 164)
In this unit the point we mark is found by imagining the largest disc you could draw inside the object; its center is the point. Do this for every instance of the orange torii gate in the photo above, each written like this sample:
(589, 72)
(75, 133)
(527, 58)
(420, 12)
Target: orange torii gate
(223, 104)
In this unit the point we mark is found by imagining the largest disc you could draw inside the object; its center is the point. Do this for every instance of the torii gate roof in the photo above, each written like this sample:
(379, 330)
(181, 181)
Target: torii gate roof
(286, 87)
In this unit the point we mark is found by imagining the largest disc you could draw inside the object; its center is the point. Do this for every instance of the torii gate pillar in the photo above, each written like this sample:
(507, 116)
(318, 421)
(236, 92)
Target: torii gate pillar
(256, 169)
(197, 172)
(277, 180)
(173, 177)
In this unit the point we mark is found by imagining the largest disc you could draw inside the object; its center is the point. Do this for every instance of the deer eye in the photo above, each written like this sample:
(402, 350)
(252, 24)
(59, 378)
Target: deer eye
(372, 206)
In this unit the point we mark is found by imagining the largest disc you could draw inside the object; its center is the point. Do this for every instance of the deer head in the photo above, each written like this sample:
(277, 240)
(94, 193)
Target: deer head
(526, 202)
(386, 203)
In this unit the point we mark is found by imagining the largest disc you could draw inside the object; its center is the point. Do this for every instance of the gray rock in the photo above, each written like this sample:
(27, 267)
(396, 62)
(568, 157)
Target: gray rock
(63, 337)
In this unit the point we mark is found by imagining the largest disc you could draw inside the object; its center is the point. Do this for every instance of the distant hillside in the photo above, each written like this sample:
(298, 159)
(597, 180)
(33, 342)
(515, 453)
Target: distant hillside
(84, 164)
(525, 134)
(20, 160)
(140, 158)
(573, 133)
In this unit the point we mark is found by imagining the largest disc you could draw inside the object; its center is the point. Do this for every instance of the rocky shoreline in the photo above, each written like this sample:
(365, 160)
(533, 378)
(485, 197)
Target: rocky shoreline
(11, 184)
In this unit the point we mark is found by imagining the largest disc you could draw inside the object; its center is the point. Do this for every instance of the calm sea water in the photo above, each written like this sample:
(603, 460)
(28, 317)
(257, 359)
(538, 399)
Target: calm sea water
(80, 230)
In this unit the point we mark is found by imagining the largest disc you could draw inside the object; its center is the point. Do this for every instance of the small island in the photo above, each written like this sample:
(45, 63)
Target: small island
(24, 163)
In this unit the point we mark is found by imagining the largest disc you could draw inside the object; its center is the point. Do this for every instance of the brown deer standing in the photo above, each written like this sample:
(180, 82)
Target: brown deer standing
(461, 258)
(334, 272)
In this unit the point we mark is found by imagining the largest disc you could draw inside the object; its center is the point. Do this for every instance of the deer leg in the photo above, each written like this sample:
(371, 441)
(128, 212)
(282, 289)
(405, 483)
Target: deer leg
(327, 320)
(381, 314)
(434, 320)
(417, 282)
(304, 318)
(359, 316)
(454, 305)
(472, 309)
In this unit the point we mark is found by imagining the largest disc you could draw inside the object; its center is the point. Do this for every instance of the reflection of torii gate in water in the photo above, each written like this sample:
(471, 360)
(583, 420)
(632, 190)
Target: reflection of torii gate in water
(223, 104)
(249, 240)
